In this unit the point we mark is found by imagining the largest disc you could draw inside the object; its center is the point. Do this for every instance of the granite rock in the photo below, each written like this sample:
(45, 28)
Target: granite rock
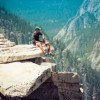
(19, 79)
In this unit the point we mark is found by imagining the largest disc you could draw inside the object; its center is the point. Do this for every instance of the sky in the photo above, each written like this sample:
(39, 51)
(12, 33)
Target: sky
(52, 15)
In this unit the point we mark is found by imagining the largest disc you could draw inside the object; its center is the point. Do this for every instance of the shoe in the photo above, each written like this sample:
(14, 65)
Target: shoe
(51, 54)
(45, 53)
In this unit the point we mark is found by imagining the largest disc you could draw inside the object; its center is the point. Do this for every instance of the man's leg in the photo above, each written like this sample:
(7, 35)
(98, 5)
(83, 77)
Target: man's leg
(48, 46)
(39, 44)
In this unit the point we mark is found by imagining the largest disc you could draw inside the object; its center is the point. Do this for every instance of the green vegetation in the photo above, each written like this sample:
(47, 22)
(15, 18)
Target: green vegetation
(20, 31)
(88, 38)
(15, 28)
(66, 62)
(77, 61)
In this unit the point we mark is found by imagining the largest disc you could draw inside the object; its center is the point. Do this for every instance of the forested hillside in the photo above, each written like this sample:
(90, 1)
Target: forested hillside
(77, 47)
(15, 28)
(67, 62)
(81, 35)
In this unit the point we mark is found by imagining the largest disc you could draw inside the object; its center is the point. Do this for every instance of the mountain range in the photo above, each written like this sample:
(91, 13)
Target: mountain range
(81, 34)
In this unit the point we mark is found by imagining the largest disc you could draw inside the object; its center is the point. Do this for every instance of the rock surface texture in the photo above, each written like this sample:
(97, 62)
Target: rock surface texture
(25, 75)
(61, 86)
(10, 52)
(20, 79)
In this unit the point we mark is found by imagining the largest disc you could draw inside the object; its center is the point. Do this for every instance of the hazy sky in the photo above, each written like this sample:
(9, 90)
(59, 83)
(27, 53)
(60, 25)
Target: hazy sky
(50, 14)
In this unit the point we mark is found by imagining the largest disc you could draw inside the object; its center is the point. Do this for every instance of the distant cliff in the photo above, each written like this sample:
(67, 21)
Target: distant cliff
(79, 43)
(81, 34)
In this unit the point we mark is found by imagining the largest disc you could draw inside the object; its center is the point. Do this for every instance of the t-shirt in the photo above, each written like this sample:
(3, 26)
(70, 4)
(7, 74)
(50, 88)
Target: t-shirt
(36, 36)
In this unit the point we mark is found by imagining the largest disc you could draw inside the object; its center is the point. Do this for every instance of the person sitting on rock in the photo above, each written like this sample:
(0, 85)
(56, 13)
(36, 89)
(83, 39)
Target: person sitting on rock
(36, 40)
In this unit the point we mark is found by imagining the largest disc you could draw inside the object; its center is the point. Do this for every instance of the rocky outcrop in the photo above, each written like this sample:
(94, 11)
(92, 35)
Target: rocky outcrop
(19, 79)
(68, 86)
(4, 43)
(61, 86)
(26, 75)
(22, 69)
(21, 75)
(10, 52)
(19, 52)
(55, 86)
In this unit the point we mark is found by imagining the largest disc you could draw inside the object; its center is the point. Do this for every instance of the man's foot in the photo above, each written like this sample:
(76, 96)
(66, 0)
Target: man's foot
(45, 53)
(51, 54)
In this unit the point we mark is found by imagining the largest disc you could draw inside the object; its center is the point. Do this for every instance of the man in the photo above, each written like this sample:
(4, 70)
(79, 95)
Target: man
(36, 38)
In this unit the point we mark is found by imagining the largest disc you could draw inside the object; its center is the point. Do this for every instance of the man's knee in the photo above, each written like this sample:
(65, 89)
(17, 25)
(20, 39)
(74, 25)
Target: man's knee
(47, 43)
(38, 44)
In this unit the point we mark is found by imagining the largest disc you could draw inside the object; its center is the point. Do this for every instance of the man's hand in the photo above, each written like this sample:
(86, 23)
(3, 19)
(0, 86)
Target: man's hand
(44, 40)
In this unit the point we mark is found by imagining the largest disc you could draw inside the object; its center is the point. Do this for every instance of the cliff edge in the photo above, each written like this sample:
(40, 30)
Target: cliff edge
(26, 75)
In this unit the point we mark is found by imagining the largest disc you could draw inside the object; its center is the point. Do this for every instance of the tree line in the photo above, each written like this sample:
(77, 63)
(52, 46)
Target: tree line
(67, 62)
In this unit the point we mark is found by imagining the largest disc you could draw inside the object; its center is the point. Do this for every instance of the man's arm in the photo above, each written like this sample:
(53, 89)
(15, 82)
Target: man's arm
(33, 39)
(43, 36)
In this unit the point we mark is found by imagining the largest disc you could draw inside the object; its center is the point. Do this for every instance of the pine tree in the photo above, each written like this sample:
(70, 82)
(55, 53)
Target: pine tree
(94, 96)
(86, 88)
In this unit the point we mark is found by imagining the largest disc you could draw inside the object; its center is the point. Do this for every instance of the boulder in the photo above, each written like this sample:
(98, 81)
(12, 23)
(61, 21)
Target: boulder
(19, 52)
(19, 79)
(69, 77)
(1, 36)
(9, 52)
(4, 43)
(58, 87)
